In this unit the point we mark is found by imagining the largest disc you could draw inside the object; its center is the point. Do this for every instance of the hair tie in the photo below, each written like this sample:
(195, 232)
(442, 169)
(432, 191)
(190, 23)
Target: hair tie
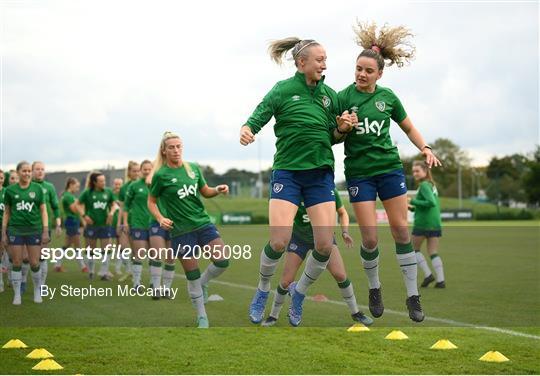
(376, 48)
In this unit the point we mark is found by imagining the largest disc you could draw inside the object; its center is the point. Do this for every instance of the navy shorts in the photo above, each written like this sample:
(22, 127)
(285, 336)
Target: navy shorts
(387, 186)
(313, 186)
(139, 234)
(157, 230)
(185, 245)
(427, 233)
(98, 232)
(300, 246)
(72, 226)
(33, 239)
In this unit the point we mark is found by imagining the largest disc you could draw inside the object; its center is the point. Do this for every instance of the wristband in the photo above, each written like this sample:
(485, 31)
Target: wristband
(426, 146)
(340, 132)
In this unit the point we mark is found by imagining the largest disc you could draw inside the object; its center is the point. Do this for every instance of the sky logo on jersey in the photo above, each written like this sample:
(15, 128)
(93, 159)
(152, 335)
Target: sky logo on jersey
(23, 205)
(326, 101)
(367, 127)
(100, 205)
(381, 106)
(277, 187)
(353, 191)
(187, 190)
(305, 218)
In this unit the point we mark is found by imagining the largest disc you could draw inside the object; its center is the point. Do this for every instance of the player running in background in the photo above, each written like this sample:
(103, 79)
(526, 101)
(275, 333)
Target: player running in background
(13, 177)
(135, 221)
(53, 208)
(305, 110)
(98, 206)
(372, 163)
(117, 228)
(427, 224)
(3, 251)
(299, 246)
(179, 185)
(72, 221)
(25, 223)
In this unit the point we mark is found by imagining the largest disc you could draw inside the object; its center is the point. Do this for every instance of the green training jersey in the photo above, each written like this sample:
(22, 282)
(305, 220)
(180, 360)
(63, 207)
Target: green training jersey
(369, 149)
(179, 193)
(97, 205)
(427, 211)
(24, 205)
(136, 204)
(302, 225)
(305, 119)
(67, 199)
(51, 200)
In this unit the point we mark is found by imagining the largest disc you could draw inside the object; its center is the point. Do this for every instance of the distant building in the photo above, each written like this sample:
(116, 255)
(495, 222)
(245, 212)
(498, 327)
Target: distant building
(58, 179)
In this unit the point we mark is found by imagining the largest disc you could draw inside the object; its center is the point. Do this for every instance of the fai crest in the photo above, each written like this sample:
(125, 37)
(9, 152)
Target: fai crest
(326, 101)
(353, 191)
(277, 187)
(32, 195)
(381, 106)
(293, 246)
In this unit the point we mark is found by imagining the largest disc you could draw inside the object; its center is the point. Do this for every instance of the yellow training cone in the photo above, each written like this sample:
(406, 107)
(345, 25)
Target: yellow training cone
(358, 328)
(40, 354)
(494, 356)
(396, 335)
(47, 365)
(14, 344)
(443, 344)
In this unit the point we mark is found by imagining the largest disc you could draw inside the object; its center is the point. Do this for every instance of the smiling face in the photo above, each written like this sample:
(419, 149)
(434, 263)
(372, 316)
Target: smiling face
(100, 182)
(25, 174)
(172, 151)
(367, 73)
(134, 172)
(117, 184)
(313, 64)
(13, 177)
(418, 173)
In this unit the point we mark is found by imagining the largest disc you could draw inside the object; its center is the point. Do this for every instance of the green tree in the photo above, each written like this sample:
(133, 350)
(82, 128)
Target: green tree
(531, 180)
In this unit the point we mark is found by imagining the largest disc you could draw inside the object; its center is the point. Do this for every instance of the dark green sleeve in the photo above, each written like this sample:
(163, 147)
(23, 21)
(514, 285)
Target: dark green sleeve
(424, 197)
(8, 199)
(264, 111)
(110, 196)
(398, 112)
(339, 203)
(53, 199)
(82, 198)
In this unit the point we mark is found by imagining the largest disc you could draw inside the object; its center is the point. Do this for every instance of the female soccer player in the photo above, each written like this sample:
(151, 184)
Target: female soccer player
(427, 224)
(306, 110)
(72, 222)
(98, 206)
(136, 220)
(372, 163)
(179, 185)
(25, 223)
(301, 243)
(53, 208)
(13, 177)
(3, 264)
(116, 226)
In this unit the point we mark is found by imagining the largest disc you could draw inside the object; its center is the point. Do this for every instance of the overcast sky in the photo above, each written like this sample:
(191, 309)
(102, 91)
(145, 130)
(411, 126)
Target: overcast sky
(85, 83)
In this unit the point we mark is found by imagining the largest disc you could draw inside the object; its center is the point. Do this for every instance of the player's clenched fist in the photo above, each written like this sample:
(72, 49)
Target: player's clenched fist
(246, 136)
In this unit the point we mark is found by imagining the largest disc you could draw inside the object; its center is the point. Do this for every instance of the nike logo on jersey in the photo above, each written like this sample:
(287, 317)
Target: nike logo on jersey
(366, 127)
(100, 205)
(23, 205)
(187, 190)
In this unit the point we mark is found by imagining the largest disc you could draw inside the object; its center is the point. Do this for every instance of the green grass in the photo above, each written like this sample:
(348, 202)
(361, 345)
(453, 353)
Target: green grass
(492, 278)
(259, 207)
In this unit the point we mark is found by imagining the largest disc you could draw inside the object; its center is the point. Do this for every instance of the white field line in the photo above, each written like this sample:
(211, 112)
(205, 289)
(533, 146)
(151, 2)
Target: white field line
(391, 311)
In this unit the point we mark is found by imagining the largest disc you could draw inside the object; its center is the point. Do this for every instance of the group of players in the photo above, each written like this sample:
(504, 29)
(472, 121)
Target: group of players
(160, 205)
